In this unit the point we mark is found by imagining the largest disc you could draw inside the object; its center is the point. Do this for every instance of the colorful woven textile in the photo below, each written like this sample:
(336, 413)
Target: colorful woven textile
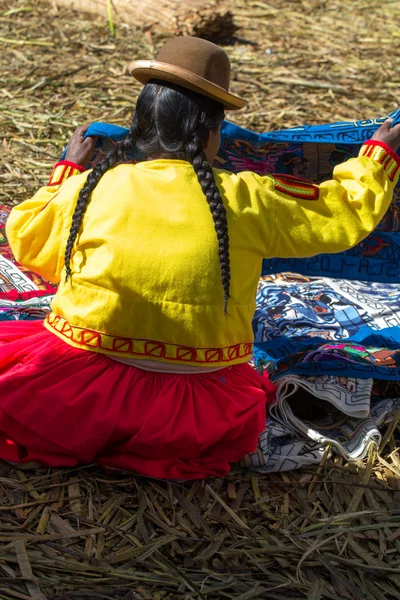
(314, 326)
(309, 152)
(23, 294)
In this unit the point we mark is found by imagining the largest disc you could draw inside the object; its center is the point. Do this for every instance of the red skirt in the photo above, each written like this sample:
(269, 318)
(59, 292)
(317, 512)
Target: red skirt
(62, 406)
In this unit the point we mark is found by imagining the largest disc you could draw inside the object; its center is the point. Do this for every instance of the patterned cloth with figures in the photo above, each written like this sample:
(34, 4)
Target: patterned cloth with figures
(328, 331)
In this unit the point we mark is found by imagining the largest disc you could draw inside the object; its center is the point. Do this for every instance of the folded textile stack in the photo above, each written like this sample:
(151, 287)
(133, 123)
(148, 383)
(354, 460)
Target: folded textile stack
(312, 414)
(332, 348)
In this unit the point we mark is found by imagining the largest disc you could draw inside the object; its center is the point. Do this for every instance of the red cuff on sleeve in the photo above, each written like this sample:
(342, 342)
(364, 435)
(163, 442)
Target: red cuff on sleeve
(62, 170)
(384, 155)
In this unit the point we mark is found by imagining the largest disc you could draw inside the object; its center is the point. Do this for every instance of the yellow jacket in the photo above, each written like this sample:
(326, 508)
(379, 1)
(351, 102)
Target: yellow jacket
(145, 270)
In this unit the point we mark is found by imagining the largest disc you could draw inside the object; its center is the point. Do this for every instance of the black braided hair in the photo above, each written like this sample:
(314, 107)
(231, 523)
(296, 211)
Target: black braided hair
(169, 122)
(205, 175)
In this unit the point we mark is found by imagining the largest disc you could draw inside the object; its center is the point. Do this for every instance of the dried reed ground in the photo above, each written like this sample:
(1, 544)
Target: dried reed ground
(326, 533)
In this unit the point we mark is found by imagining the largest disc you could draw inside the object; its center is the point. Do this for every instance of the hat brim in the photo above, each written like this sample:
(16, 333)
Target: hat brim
(144, 70)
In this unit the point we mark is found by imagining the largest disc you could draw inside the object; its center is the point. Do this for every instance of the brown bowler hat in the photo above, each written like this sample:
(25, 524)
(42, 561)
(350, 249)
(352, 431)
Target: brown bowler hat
(192, 63)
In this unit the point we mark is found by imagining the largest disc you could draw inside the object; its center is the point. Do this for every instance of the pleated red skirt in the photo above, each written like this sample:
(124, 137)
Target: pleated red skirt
(62, 406)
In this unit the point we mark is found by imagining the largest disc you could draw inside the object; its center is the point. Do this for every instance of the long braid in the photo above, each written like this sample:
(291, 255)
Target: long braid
(113, 157)
(205, 175)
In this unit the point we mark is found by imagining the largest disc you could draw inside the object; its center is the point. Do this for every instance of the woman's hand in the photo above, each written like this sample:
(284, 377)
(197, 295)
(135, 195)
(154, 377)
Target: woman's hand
(80, 149)
(388, 134)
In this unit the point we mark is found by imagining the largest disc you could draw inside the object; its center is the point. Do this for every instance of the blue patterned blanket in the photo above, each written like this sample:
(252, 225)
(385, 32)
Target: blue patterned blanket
(323, 326)
(308, 152)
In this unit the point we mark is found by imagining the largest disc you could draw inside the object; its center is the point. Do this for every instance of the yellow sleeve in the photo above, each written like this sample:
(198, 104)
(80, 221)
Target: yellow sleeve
(37, 229)
(302, 219)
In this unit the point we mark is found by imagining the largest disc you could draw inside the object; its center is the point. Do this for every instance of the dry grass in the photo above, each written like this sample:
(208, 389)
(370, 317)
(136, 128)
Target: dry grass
(77, 534)
(84, 534)
(296, 62)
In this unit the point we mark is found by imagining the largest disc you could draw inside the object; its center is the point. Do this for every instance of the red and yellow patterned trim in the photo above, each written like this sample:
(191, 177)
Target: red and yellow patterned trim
(384, 155)
(295, 187)
(62, 170)
(89, 339)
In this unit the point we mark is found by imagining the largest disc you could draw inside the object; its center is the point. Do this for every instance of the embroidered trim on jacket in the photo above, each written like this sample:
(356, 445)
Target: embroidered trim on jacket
(383, 154)
(62, 170)
(295, 187)
(138, 348)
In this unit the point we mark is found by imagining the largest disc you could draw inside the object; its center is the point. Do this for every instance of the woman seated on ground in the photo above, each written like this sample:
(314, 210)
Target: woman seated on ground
(143, 362)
